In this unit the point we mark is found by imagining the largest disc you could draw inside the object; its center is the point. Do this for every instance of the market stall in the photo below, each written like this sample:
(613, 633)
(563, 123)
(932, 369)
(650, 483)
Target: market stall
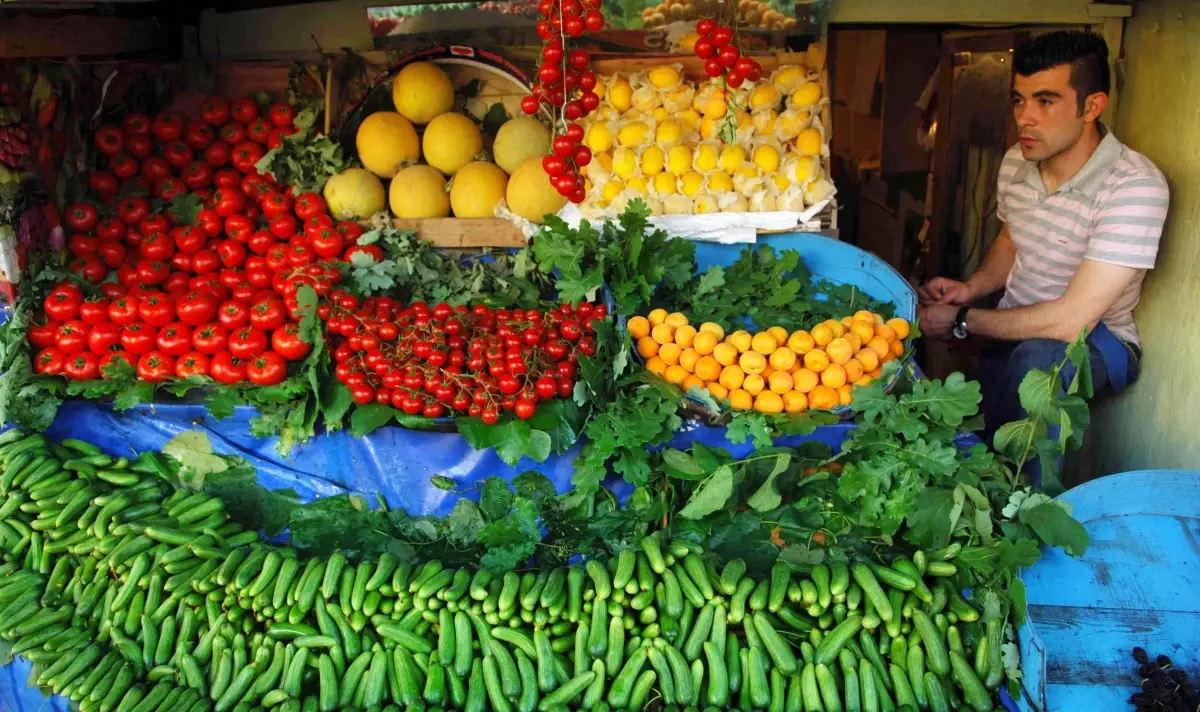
(465, 381)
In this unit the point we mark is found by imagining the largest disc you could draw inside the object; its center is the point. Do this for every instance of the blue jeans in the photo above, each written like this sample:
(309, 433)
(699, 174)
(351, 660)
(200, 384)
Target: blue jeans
(1004, 364)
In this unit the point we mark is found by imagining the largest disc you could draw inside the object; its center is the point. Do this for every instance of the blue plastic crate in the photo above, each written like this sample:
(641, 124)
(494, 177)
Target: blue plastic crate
(1137, 585)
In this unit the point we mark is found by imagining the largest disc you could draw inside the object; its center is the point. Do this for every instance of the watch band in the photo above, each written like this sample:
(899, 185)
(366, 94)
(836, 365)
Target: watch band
(960, 324)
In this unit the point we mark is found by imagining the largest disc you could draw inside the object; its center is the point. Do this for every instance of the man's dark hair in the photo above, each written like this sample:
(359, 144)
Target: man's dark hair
(1085, 52)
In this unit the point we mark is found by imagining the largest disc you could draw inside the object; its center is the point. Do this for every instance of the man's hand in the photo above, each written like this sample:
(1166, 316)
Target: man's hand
(937, 320)
(941, 290)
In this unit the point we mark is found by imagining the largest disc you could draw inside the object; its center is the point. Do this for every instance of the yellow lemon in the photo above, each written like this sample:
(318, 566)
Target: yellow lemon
(766, 157)
(625, 162)
(679, 161)
(705, 204)
(732, 158)
(732, 377)
(764, 95)
(660, 114)
(781, 181)
(720, 181)
(725, 354)
(599, 138)
(620, 94)
(801, 342)
(657, 316)
(664, 183)
(715, 108)
(754, 384)
(611, 190)
(653, 161)
(669, 352)
(713, 329)
(668, 132)
(664, 77)
(707, 157)
(637, 183)
(807, 95)
(690, 119)
(794, 402)
(691, 183)
(792, 122)
(765, 121)
(806, 169)
(753, 362)
(783, 359)
(633, 133)
(805, 380)
(789, 77)
(740, 339)
(708, 128)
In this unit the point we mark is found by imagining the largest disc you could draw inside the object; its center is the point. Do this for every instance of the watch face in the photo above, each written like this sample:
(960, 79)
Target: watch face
(960, 331)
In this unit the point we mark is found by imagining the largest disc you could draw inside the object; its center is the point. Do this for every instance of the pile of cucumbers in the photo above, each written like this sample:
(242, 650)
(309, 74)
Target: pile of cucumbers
(130, 595)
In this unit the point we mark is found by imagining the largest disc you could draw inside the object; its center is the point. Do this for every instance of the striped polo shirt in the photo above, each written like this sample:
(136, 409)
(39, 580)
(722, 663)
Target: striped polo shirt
(1112, 211)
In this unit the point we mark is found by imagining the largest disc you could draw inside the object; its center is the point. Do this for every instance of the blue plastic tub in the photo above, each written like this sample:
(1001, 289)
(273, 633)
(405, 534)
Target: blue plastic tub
(1137, 585)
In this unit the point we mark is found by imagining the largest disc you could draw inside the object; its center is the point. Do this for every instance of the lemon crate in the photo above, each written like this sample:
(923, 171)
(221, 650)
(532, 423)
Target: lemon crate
(829, 260)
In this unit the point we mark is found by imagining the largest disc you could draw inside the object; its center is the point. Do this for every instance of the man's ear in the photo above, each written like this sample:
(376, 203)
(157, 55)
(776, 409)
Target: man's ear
(1094, 106)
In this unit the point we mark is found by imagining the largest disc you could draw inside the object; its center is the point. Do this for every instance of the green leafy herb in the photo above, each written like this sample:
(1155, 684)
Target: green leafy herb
(305, 160)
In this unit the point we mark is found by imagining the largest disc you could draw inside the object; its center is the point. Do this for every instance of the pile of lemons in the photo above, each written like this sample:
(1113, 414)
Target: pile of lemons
(771, 371)
(751, 13)
(658, 137)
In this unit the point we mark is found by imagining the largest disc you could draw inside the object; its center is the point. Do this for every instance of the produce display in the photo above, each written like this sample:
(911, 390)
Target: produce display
(695, 147)
(445, 171)
(128, 593)
(751, 14)
(770, 371)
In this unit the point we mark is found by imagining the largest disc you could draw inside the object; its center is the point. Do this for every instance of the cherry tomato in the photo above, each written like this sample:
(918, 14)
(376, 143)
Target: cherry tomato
(110, 140)
(136, 125)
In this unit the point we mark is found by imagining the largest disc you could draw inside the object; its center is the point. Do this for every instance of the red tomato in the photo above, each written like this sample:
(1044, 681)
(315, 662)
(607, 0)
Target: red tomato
(168, 127)
(245, 155)
(189, 240)
(174, 339)
(140, 147)
(110, 140)
(178, 154)
(136, 125)
(232, 253)
(110, 229)
(244, 111)
(158, 246)
(227, 369)
(192, 363)
(275, 204)
(283, 226)
(133, 209)
(266, 369)
(196, 308)
(104, 336)
(209, 223)
(275, 138)
(49, 361)
(155, 367)
(239, 227)
(104, 184)
(83, 246)
(119, 360)
(94, 311)
(259, 131)
(300, 254)
(155, 169)
(210, 338)
(227, 201)
(197, 175)
(155, 223)
(157, 310)
(233, 315)
(309, 205)
(205, 262)
(168, 188)
(42, 335)
(375, 251)
(138, 339)
(247, 342)
(259, 277)
(260, 242)
(277, 258)
(123, 166)
(83, 366)
(62, 305)
(92, 270)
(153, 272)
(328, 244)
(217, 154)
(177, 284)
(214, 111)
(82, 217)
(228, 178)
(233, 133)
(199, 136)
(350, 231)
(71, 337)
(282, 114)
(254, 186)
(287, 343)
(267, 314)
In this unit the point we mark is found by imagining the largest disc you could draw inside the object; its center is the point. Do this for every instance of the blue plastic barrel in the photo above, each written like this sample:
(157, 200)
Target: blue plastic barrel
(1137, 585)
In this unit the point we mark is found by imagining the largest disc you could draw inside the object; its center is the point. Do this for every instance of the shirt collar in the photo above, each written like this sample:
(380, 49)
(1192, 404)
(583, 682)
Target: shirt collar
(1090, 178)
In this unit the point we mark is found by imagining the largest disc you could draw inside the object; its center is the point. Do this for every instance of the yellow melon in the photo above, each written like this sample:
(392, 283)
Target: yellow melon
(386, 142)
(422, 91)
(419, 192)
(530, 194)
(451, 141)
(476, 189)
(519, 139)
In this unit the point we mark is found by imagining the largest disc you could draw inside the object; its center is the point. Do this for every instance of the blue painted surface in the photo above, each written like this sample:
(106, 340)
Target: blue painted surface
(1137, 585)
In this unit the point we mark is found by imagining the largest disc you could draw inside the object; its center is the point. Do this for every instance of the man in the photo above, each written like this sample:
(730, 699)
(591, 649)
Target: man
(1082, 217)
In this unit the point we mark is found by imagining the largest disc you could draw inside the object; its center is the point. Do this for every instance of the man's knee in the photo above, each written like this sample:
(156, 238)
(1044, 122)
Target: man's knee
(1042, 354)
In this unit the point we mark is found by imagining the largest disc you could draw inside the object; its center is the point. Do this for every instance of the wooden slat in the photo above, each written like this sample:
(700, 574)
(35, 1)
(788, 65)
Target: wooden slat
(76, 35)
(465, 232)
(1015, 12)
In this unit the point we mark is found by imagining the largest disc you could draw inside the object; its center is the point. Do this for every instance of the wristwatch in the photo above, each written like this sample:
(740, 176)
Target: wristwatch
(960, 324)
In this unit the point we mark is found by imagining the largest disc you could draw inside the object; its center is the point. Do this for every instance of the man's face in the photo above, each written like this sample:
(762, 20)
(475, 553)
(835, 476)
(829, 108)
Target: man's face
(1047, 112)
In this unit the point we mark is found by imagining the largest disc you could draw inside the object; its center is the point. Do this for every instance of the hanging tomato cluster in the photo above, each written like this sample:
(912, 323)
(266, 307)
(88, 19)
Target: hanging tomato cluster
(715, 46)
(566, 86)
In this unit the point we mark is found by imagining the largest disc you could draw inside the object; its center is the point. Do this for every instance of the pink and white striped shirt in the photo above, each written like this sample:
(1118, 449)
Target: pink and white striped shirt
(1111, 211)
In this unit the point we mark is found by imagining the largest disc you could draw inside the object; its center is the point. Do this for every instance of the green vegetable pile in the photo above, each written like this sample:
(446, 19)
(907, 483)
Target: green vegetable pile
(130, 594)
